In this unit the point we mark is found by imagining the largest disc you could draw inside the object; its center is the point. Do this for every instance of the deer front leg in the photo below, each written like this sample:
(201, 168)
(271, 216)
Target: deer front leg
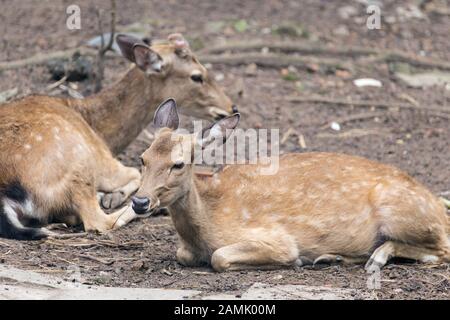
(118, 184)
(90, 213)
(254, 255)
(125, 215)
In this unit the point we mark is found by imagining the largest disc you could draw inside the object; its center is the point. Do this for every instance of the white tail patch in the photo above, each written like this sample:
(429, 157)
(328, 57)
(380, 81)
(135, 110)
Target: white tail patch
(10, 208)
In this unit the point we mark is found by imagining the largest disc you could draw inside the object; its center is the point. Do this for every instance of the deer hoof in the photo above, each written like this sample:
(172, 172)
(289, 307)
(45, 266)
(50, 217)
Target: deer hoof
(328, 259)
(303, 261)
(113, 200)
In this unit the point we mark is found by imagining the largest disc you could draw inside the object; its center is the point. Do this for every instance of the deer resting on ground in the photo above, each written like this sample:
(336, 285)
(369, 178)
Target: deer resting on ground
(318, 207)
(55, 153)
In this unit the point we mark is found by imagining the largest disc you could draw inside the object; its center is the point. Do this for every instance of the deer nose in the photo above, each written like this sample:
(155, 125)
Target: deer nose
(140, 204)
(234, 108)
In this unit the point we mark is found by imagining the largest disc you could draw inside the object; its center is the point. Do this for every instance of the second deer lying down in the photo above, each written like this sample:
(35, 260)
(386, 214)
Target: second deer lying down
(55, 153)
(319, 207)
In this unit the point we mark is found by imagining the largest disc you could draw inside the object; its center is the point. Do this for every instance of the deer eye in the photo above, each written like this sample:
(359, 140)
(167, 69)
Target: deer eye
(178, 165)
(142, 161)
(197, 78)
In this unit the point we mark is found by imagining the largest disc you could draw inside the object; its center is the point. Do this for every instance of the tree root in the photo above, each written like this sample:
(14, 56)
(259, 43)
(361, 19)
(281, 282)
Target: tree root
(281, 56)
(437, 111)
(375, 55)
(42, 58)
(354, 117)
(272, 60)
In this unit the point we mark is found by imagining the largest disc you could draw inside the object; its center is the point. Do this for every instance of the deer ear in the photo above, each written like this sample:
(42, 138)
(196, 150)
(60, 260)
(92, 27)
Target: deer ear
(146, 59)
(219, 131)
(166, 116)
(126, 44)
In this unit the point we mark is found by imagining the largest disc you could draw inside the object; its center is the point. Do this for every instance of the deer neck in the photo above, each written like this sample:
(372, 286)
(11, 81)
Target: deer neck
(191, 219)
(119, 113)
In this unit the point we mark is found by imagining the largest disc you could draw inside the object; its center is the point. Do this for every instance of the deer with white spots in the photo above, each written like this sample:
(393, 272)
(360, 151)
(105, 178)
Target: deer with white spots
(318, 207)
(57, 153)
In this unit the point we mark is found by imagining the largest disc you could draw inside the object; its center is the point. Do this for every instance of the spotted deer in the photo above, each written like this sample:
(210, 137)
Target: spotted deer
(318, 207)
(57, 153)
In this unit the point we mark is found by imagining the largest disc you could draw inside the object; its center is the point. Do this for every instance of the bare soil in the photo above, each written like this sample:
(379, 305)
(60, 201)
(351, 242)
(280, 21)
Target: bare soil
(143, 253)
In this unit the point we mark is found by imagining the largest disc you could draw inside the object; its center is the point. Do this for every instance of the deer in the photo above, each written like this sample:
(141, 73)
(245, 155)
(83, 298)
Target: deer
(318, 208)
(57, 154)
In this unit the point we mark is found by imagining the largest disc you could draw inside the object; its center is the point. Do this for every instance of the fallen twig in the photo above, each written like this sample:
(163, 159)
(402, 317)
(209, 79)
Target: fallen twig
(56, 84)
(287, 135)
(353, 133)
(313, 49)
(272, 60)
(4, 244)
(48, 271)
(67, 235)
(363, 103)
(100, 260)
(42, 58)
(354, 117)
(288, 47)
(73, 93)
(301, 141)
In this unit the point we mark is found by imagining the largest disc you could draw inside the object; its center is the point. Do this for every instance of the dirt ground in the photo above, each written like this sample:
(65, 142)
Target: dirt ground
(143, 253)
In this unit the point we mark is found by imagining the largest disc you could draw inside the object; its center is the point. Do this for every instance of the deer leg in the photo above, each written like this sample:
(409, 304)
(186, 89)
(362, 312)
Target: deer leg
(392, 249)
(90, 213)
(254, 255)
(125, 215)
(188, 258)
(118, 183)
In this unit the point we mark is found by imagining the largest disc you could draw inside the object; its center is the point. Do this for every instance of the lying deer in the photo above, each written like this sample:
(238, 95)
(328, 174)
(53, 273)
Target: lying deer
(55, 152)
(319, 207)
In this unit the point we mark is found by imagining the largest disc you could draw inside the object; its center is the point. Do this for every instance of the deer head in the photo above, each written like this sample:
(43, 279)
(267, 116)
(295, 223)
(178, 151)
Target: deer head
(174, 71)
(167, 166)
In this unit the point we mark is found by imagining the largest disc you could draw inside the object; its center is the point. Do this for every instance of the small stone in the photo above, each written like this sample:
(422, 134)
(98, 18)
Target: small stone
(228, 31)
(341, 31)
(390, 19)
(139, 266)
(284, 72)
(219, 77)
(346, 12)
(251, 69)
(367, 82)
(265, 50)
(42, 42)
(292, 69)
(343, 74)
(312, 67)
(335, 126)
